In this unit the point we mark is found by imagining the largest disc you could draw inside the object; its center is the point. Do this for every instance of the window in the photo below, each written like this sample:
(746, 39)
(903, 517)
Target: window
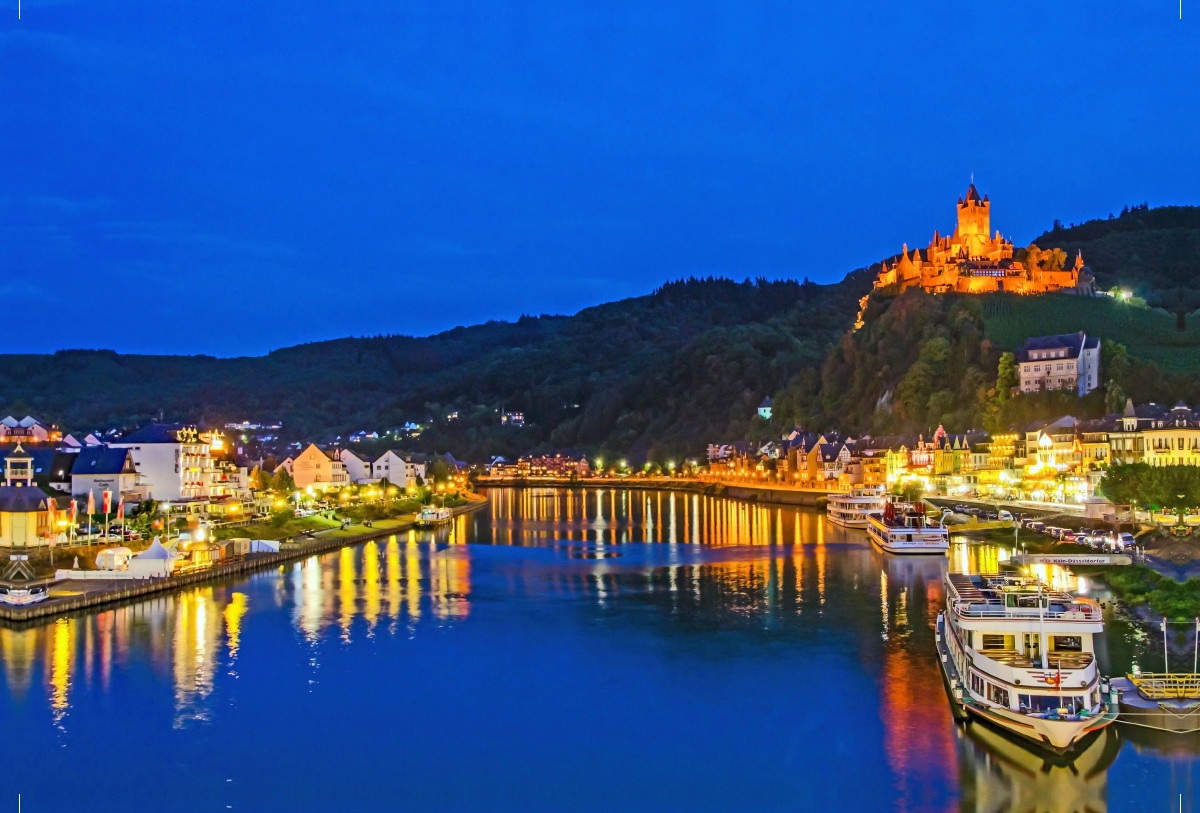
(1060, 366)
(1037, 368)
(997, 694)
(993, 641)
(977, 683)
(1068, 643)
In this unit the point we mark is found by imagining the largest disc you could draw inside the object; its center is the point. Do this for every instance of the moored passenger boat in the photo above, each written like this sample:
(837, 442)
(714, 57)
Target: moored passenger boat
(429, 516)
(904, 528)
(1022, 657)
(850, 509)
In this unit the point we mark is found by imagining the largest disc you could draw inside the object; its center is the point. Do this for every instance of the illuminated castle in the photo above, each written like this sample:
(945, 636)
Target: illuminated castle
(970, 261)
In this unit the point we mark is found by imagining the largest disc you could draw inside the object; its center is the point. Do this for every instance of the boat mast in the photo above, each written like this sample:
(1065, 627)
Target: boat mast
(1042, 628)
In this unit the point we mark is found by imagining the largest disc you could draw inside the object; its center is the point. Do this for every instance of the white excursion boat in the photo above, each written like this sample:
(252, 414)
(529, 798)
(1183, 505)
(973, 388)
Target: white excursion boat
(850, 509)
(1021, 656)
(429, 516)
(20, 596)
(904, 528)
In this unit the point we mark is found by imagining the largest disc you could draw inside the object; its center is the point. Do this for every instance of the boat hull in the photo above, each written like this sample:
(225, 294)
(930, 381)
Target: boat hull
(1057, 736)
(847, 523)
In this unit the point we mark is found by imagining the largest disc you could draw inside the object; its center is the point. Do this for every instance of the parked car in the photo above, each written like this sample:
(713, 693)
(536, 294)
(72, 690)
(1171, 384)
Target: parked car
(1127, 539)
(87, 530)
(1006, 516)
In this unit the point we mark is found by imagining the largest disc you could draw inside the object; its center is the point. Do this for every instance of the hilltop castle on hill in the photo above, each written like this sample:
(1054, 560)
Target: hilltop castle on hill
(969, 261)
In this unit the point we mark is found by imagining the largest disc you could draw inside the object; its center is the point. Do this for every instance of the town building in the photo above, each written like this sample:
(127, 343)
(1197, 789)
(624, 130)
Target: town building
(1172, 438)
(764, 409)
(398, 468)
(27, 430)
(97, 469)
(1067, 362)
(313, 467)
(176, 463)
(358, 467)
(564, 463)
(24, 517)
(973, 260)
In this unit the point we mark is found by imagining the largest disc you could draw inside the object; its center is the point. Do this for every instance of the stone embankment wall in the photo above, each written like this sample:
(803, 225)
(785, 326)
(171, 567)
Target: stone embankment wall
(767, 494)
(289, 553)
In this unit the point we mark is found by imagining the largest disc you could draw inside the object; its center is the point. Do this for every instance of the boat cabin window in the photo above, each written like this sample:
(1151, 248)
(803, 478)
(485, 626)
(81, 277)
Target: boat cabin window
(1068, 643)
(1029, 600)
(993, 641)
(997, 694)
(1038, 703)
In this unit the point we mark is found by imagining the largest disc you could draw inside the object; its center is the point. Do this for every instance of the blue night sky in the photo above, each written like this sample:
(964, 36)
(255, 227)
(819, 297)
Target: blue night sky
(227, 178)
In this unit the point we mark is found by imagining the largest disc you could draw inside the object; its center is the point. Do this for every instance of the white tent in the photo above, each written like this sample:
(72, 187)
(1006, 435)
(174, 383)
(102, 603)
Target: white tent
(264, 546)
(153, 561)
(113, 558)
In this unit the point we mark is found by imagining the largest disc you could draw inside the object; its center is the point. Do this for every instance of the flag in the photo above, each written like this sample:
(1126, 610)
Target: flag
(50, 518)
(107, 501)
(74, 510)
(91, 503)
(1162, 625)
(121, 509)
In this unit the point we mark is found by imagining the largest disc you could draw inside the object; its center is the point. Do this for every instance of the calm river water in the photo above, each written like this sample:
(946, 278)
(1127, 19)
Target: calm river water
(587, 650)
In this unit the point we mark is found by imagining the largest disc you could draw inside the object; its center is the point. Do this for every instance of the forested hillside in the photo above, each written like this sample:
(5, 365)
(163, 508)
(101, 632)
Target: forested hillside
(1153, 252)
(661, 374)
(922, 360)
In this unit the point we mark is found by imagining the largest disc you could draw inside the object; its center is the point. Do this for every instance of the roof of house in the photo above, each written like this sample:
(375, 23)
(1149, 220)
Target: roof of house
(24, 423)
(766, 403)
(828, 452)
(21, 500)
(1073, 343)
(101, 460)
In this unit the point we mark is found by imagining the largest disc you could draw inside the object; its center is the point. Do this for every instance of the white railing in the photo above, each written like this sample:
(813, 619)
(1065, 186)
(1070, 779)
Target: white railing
(978, 609)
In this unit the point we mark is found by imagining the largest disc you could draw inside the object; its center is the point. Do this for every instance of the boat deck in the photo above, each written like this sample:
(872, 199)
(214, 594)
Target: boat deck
(1055, 660)
(966, 589)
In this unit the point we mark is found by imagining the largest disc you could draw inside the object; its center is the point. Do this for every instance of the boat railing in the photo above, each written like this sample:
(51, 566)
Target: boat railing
(1167, 685)
(989, 609)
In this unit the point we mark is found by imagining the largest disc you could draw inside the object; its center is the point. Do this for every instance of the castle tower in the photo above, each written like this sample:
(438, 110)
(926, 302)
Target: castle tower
(974, 221)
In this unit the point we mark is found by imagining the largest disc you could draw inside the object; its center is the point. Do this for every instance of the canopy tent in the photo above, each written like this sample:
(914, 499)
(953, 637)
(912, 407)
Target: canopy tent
(153, 561)
(113, 558)
(155, 551)
(264, 546)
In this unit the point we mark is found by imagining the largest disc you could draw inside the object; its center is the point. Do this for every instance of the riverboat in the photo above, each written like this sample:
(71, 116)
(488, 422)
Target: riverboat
(904, 528)
(850, 508)
(21, 596)
(430, 516)
(1020, 656)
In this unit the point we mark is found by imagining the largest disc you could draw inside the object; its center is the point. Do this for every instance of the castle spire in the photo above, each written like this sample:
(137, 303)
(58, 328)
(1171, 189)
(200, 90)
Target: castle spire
(1079, 260)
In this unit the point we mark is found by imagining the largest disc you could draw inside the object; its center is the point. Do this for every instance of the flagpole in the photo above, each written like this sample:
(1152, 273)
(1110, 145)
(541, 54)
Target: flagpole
(1196, 647)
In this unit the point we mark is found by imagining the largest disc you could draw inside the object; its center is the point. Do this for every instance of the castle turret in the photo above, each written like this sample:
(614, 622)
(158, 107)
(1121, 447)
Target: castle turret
(974, 216)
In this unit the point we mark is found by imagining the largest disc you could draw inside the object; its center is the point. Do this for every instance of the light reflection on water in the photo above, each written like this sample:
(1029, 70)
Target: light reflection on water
(678, 566)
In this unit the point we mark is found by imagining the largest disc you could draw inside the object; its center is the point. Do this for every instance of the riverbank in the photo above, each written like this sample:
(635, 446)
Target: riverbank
(773, 494)
(72, 595)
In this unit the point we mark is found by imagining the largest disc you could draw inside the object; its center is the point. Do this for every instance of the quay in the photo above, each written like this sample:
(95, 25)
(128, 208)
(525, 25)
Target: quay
(122, 591)
(775, 494)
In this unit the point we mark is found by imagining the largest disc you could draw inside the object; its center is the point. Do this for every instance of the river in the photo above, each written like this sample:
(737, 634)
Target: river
(562, 650)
